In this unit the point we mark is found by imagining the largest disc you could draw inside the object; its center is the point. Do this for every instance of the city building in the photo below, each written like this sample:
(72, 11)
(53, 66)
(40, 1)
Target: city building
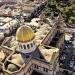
(34, 51)
(28, 9)
(67, 53)
(8, 25)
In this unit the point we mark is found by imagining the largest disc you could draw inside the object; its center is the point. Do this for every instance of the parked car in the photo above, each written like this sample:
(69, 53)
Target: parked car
(71, 64)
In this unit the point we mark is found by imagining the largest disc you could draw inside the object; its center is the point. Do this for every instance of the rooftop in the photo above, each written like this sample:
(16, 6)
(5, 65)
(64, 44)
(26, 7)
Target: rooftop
(49, 53)
(16, 9)
(38, 28)
(6, 22)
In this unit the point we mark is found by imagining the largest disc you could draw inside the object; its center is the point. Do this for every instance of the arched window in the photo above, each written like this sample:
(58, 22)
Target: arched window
(31, 45)
(28, 46)
(20, 46)
(36, 66)
(24, 46)
(45, 69)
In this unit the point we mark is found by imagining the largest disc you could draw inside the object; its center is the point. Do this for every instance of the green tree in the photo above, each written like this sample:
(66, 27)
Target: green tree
(65, 7)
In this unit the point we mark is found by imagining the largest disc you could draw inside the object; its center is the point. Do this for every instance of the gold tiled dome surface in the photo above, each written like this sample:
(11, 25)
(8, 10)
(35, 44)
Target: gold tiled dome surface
(24, 34)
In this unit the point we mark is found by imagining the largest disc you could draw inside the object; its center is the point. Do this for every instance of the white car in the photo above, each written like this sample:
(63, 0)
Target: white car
(71, 64)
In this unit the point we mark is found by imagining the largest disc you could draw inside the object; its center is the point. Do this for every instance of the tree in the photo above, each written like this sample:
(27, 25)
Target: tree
(65, 7)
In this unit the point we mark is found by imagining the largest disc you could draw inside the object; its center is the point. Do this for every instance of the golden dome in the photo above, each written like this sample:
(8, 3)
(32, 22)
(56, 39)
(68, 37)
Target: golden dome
(24, 34)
